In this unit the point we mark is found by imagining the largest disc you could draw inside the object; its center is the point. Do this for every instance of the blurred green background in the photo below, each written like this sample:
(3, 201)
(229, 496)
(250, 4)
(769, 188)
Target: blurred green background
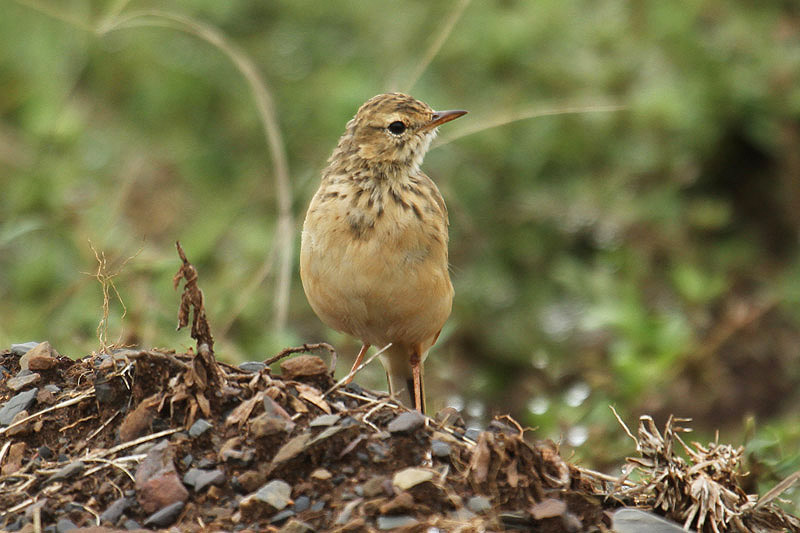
(644, 257)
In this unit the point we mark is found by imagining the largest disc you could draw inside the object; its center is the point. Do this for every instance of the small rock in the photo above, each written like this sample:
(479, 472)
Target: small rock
(479, 504)
(45, 397)
(548, 508)
(64, 525)
(388, 523)
(373, 486)
(296, 526)
(282, 516)
(45, 452)
(301, 504)
(317, 506)
(276, 493)
(131, 525)
(252, 367)
(303, 366)
(187, 460)
(449, 416)
(68, 471)
(16, 454)
(42, 362)
(200, 426)
(324, 420)
(473, 434)
(103, 391)
(157, 482)
(137, 422)
(209, 477)
(251, 480)
(293, 448)
(378, 451)
(265, 425)
(22, 349)
(410, 477)
(43, 349)
(627, 520)
(408, 421)
(402, 503)
(115, 510)
(166, 516)
(440, 449)
(240, 457)
(347, 512)
(206, 464)
(22, 380)
(321, 474)
(462, 514)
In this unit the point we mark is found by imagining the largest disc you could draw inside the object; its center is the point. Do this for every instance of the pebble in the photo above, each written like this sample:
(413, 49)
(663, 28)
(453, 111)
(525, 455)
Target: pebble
(404, 422)
(293, 448)
(479, 504)
(282, 516)
(205, 463)
(252, 367)
(250, 481)
(166, 516)
(440, 449)
(131, 524)
(115, 510)
(43, 349)
(473, 434)
(321, 474)
(23, 348)
(264, 426)
(373, 486)
(276, 493)
(187, 460)
(301, 504)
(296, 526)
(22, 380)
(548, 508)
(208, 477)
(411, 477)
(200, 426)
(378, 451)
(324, 420)
(68, 471)
(317, 506)
(64, 525)
(157, 483)
(637, 521)
(388, 523)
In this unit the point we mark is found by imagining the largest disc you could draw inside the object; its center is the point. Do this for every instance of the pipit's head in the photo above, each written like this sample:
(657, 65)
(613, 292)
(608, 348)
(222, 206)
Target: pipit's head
(393, 130)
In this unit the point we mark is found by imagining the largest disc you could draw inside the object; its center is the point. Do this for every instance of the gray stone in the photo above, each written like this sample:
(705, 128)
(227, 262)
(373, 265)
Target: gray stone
(209, 477)
(252, 366)
(43, 349)
(25, 347)
(472, 434)
(17, 404)
(131, 524)
(64, 525)
(627, 520)
(408, 421)
(68, 471)
(479, 504)
(166, 516)
(281, 516)
(301, 504)
(389, 523)
(440, 448)
(115, 510)
(20, 381)
(200, 426)
(276, 493)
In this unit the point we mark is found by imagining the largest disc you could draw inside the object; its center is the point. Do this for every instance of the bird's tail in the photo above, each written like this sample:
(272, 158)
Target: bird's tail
(397, 363)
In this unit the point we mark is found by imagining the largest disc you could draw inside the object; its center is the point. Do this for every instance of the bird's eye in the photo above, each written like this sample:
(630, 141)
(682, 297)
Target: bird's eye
(397, 127)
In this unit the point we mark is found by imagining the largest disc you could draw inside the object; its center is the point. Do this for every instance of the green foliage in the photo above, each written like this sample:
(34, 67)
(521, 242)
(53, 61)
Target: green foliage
(600, 248)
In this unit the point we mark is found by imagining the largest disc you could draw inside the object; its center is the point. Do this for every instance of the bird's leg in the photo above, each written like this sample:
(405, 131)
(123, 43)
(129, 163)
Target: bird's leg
(359, 358)
(418, 394)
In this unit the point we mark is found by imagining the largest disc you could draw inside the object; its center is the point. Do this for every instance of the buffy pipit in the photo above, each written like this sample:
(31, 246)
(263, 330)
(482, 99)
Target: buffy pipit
(374, 254)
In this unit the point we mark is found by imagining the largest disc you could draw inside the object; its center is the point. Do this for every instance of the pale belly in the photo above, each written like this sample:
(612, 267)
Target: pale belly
(389, 287)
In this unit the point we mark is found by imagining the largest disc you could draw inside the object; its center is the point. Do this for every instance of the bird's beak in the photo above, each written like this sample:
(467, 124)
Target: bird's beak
(440, 117)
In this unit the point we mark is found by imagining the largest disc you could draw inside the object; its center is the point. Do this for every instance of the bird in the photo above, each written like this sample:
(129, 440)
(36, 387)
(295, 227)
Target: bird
(374, 246)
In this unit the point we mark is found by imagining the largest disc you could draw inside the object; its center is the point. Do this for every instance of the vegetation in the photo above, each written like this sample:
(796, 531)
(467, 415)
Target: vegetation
(623, 196)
